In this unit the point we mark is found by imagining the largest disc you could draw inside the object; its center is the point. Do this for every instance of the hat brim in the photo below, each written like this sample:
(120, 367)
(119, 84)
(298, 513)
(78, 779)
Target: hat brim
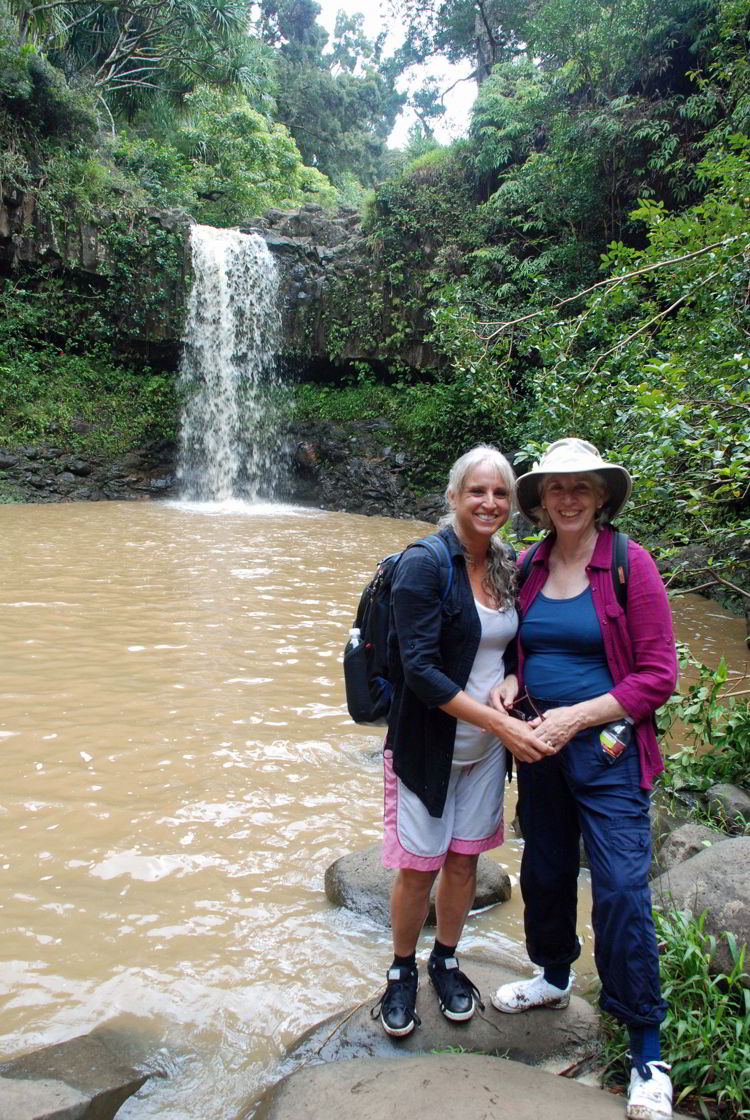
(617, 478)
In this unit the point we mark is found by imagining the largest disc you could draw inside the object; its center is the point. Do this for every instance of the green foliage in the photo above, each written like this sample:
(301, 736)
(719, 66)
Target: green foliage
(239, 163)
(651, 364)
(433, 419)
(708, 1018)
(130, 55)
(339, 104)
(713, 728)
(49, 389)
(32, 88)
(63, 370)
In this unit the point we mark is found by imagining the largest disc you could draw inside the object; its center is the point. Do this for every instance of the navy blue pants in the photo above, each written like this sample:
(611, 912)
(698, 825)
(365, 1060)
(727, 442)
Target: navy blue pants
(573, 793)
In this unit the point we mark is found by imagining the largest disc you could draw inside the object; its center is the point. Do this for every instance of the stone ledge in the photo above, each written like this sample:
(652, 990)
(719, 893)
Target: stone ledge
(85, 1078)
(554, 1039)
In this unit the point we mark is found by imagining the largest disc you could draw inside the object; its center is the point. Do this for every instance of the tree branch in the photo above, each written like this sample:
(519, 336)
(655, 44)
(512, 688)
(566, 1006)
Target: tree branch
(609, 282)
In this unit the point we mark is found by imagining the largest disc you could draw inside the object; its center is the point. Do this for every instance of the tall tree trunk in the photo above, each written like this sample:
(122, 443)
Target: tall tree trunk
(485, 43)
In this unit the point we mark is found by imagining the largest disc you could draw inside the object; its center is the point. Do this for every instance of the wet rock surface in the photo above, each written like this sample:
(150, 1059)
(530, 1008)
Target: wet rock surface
(353, 470)
(434, 1085)
(85, 1078)
(48, 473)
(553, 1038)
(359, 882)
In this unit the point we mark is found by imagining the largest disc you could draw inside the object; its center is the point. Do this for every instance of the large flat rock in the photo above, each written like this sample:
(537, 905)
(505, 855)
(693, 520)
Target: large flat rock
(434, 1085)
(359, 882)
(556, 1039)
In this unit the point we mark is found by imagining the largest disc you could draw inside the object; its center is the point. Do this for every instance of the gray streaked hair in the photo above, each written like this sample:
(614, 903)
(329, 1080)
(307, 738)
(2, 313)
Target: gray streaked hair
(500, 577)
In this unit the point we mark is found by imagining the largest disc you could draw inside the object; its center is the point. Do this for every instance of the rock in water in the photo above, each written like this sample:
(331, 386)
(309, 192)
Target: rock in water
(361, 883)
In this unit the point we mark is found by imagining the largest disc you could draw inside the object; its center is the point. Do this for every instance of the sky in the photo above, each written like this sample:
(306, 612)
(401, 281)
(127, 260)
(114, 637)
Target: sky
(458, 102)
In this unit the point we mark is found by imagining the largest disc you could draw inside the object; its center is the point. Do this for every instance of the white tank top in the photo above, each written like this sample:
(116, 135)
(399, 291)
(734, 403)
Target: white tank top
(498, 630)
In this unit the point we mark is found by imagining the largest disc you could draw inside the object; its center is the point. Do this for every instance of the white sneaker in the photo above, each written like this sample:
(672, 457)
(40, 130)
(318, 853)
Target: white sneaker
(523, 995)
(652, 1099)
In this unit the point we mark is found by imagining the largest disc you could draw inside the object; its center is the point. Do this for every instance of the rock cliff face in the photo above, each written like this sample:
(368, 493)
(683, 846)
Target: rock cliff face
(330, 284)
(34, 244)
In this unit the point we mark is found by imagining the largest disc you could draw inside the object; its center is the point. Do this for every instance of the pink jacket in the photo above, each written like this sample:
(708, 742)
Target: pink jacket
(639, 645)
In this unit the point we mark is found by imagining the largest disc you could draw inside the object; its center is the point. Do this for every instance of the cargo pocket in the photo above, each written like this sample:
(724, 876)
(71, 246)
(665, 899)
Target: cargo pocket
(630, 848)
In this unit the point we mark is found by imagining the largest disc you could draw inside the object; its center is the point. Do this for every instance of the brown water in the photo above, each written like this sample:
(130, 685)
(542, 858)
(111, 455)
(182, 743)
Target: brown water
(178, 772)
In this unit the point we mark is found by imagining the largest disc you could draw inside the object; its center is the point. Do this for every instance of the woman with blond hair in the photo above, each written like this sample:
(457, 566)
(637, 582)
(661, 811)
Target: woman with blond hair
(445, 748)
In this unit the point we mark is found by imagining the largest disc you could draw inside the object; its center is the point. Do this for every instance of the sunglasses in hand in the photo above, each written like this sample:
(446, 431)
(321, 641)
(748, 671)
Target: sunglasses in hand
(518, 714)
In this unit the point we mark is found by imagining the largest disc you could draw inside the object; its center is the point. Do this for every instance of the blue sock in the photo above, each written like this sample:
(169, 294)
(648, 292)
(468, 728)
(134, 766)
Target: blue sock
(645, 1043)
(557, 974)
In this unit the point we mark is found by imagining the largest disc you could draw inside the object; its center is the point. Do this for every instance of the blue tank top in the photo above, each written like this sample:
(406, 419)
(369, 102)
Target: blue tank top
(563, 650)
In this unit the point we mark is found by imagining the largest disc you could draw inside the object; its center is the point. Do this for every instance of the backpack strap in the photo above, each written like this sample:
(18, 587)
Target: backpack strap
(526, 562)
(437, 546)
(620, 567)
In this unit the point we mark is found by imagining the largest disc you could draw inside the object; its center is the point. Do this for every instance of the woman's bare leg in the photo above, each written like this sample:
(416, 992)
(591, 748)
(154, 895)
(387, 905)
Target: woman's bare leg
(455, 893)
(410, 904)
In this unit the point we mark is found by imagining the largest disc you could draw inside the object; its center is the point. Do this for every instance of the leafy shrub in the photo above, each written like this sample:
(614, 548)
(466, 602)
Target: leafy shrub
(714, 727)
(31, 86)
(706, 1034)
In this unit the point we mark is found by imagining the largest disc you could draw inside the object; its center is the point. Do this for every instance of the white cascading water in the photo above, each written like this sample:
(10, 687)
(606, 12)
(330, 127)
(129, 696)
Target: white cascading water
(227, 443)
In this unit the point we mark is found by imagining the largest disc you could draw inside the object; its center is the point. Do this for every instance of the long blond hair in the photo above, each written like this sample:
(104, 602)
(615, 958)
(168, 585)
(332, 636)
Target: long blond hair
(500, 575)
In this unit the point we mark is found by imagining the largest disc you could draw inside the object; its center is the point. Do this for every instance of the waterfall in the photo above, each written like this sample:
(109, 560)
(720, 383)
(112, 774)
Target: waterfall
(228, 447)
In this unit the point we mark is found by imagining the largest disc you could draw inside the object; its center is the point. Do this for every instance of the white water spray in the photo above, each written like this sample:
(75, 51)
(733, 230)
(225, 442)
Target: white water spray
(228, 448)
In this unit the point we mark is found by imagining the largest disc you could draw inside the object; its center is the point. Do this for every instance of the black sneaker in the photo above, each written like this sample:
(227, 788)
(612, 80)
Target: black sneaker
(456, 993)
(397, 1005)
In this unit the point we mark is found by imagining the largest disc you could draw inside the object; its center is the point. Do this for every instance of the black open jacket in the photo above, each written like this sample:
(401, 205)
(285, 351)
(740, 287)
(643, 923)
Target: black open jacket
(431, 650)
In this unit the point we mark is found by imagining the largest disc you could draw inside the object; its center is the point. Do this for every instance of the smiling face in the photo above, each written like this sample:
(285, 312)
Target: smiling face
(482, 505)
(571, 501)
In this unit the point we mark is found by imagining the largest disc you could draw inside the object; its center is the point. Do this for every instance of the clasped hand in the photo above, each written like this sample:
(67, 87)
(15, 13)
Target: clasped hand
(524, 740)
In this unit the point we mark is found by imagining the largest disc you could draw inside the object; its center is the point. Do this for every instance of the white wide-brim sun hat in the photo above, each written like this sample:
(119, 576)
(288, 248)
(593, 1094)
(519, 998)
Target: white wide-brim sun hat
(573, 456)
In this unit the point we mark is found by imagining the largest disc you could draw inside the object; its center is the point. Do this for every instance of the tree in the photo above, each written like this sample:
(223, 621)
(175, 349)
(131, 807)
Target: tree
(483, 31)
(337, 101)
(239, 162)
(128, 51)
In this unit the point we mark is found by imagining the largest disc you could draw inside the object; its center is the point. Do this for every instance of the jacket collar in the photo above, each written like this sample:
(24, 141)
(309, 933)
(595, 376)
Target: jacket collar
(454, 545)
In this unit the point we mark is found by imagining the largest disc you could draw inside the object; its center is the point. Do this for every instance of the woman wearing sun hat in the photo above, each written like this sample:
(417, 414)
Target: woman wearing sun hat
(593, 675)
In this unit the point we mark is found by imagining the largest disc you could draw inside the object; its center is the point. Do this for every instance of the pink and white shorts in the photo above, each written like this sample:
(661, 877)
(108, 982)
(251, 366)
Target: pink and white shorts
(472, 819)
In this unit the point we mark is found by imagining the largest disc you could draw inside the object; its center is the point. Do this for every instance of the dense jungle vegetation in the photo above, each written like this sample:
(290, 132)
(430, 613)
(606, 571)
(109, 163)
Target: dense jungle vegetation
(579, 260)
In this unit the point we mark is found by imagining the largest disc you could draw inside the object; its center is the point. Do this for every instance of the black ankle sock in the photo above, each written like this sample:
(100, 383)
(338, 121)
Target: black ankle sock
(559, 975)
(405, 962)
(440, 950)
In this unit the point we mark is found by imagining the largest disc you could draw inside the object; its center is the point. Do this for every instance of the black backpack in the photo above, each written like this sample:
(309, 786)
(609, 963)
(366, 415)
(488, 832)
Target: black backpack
(368, 689)
(619, 566)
